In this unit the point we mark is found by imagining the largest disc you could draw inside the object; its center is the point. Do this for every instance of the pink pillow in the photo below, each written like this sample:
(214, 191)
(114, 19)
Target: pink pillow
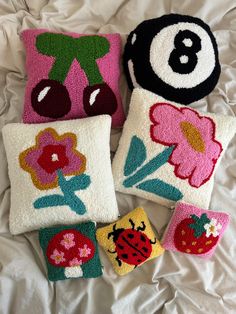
(71, 76)
(193, 230)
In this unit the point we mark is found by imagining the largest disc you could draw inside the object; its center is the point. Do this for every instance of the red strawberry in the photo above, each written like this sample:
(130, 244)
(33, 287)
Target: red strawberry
(190, 235)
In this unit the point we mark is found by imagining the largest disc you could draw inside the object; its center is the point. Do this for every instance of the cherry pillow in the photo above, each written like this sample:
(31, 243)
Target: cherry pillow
(71, 76)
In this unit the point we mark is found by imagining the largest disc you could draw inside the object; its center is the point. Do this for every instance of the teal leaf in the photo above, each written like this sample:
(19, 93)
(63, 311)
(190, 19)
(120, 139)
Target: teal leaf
(80, 182)
(161, 188)
(50, 200)
(150, 167)
(136, 156)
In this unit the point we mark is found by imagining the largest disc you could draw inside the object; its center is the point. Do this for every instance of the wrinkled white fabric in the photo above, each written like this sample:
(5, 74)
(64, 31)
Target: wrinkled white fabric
(172, 283)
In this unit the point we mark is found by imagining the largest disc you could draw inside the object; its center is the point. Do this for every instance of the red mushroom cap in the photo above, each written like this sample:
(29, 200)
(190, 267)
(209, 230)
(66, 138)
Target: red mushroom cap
(69, 248)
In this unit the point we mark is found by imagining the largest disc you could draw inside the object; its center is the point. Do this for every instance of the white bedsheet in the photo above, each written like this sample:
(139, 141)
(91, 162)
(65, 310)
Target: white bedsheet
(172, 283)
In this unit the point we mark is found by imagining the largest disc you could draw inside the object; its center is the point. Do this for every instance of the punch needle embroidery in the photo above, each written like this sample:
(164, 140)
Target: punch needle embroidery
(49, 162)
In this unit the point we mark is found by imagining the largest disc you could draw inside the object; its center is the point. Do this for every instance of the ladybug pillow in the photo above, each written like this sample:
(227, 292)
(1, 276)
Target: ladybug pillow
(60, 173)
(71, 251)
(71, 76)
(169, 152)
(174, 56)
(129, 242)
(195, 231)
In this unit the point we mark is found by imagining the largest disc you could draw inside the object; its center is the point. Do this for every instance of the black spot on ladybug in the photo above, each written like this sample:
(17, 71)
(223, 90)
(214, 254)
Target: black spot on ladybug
(120, 246)
(130, 235)
(142, 237)
(125, 256)
(139, 260)
(134, 254)
(144, 249)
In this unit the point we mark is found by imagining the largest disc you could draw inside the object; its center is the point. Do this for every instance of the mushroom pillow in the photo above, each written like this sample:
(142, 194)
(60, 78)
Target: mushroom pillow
(129, 242)
(195, 231)
(169, 152)
(71, 251)
(60, 173)
(71, 76)
(174, 56)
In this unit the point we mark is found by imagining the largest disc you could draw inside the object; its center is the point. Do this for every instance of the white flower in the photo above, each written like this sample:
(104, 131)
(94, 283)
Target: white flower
(212, 228)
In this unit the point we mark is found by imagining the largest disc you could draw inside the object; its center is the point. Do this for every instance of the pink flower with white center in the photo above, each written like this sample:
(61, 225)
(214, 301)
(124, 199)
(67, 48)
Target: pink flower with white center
(75, 262)
(212, 228)
(57, 256)
(85, 251)
(67, 241)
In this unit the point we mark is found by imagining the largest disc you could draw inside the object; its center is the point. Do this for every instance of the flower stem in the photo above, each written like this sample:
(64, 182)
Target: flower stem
(150, 167)
(71, 199)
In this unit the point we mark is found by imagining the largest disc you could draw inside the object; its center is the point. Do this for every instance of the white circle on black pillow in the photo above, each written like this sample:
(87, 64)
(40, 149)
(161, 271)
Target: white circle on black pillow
(162, 46)
(174, 56)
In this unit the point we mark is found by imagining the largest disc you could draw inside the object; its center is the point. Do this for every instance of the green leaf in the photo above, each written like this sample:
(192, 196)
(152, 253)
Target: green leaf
(198, 225)
(136, 156)
(161, 188)
(49, 201)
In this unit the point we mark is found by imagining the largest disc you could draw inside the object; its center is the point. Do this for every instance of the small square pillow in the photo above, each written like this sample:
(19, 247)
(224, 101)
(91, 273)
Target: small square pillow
(71, 251)
(129, 242)
(168, 152)
(60, 173)
(193, 230)
(71, 76)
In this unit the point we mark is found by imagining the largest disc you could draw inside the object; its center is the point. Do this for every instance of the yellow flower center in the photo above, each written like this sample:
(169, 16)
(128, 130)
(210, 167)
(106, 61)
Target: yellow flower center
(193, 136)
(212, 229)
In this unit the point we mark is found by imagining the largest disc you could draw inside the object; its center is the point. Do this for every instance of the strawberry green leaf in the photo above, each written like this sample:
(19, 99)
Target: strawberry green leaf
(198, 225)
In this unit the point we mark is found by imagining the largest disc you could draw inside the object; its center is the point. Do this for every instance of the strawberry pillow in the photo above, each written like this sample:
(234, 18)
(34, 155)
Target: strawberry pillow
(195, 231)
(71, 76)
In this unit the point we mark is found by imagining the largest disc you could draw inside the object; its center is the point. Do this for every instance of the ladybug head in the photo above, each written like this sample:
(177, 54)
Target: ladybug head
(115, 233)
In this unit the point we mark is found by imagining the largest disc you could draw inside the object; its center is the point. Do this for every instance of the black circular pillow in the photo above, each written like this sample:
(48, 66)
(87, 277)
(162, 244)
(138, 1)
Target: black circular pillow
(174, 56)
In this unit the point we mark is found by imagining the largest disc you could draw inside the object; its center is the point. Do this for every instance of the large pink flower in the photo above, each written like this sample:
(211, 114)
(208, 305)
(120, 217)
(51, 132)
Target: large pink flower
(196, 149)
(52, 152)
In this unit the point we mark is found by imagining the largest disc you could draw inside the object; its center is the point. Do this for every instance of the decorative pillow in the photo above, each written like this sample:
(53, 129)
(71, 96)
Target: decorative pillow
(129, 242)
(175, 56)
(60, 172)
(194, 230)
(71, 75)
(168, 152)
(71, 251)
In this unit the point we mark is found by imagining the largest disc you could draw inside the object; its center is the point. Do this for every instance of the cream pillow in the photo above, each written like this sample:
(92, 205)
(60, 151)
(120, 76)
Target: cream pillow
(169, 152)
(60, 173)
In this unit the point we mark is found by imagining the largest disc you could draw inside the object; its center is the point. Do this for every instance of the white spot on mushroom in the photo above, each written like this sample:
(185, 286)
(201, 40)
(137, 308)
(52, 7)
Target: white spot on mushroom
(43, 93)
(134, 37)
(93, 96)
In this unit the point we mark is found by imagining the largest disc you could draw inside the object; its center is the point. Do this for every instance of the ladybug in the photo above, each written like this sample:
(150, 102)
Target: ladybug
(132, 245)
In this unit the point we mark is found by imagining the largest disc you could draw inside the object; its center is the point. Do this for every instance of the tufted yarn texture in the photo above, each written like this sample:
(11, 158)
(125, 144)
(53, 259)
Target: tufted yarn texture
(71, 76)
(68, 247)
(174, 56)
(193, 230)
(60, 172)
(129, 242)
(169, 152)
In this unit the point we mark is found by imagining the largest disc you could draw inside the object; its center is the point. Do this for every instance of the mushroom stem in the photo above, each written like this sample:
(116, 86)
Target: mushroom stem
(73, 272)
